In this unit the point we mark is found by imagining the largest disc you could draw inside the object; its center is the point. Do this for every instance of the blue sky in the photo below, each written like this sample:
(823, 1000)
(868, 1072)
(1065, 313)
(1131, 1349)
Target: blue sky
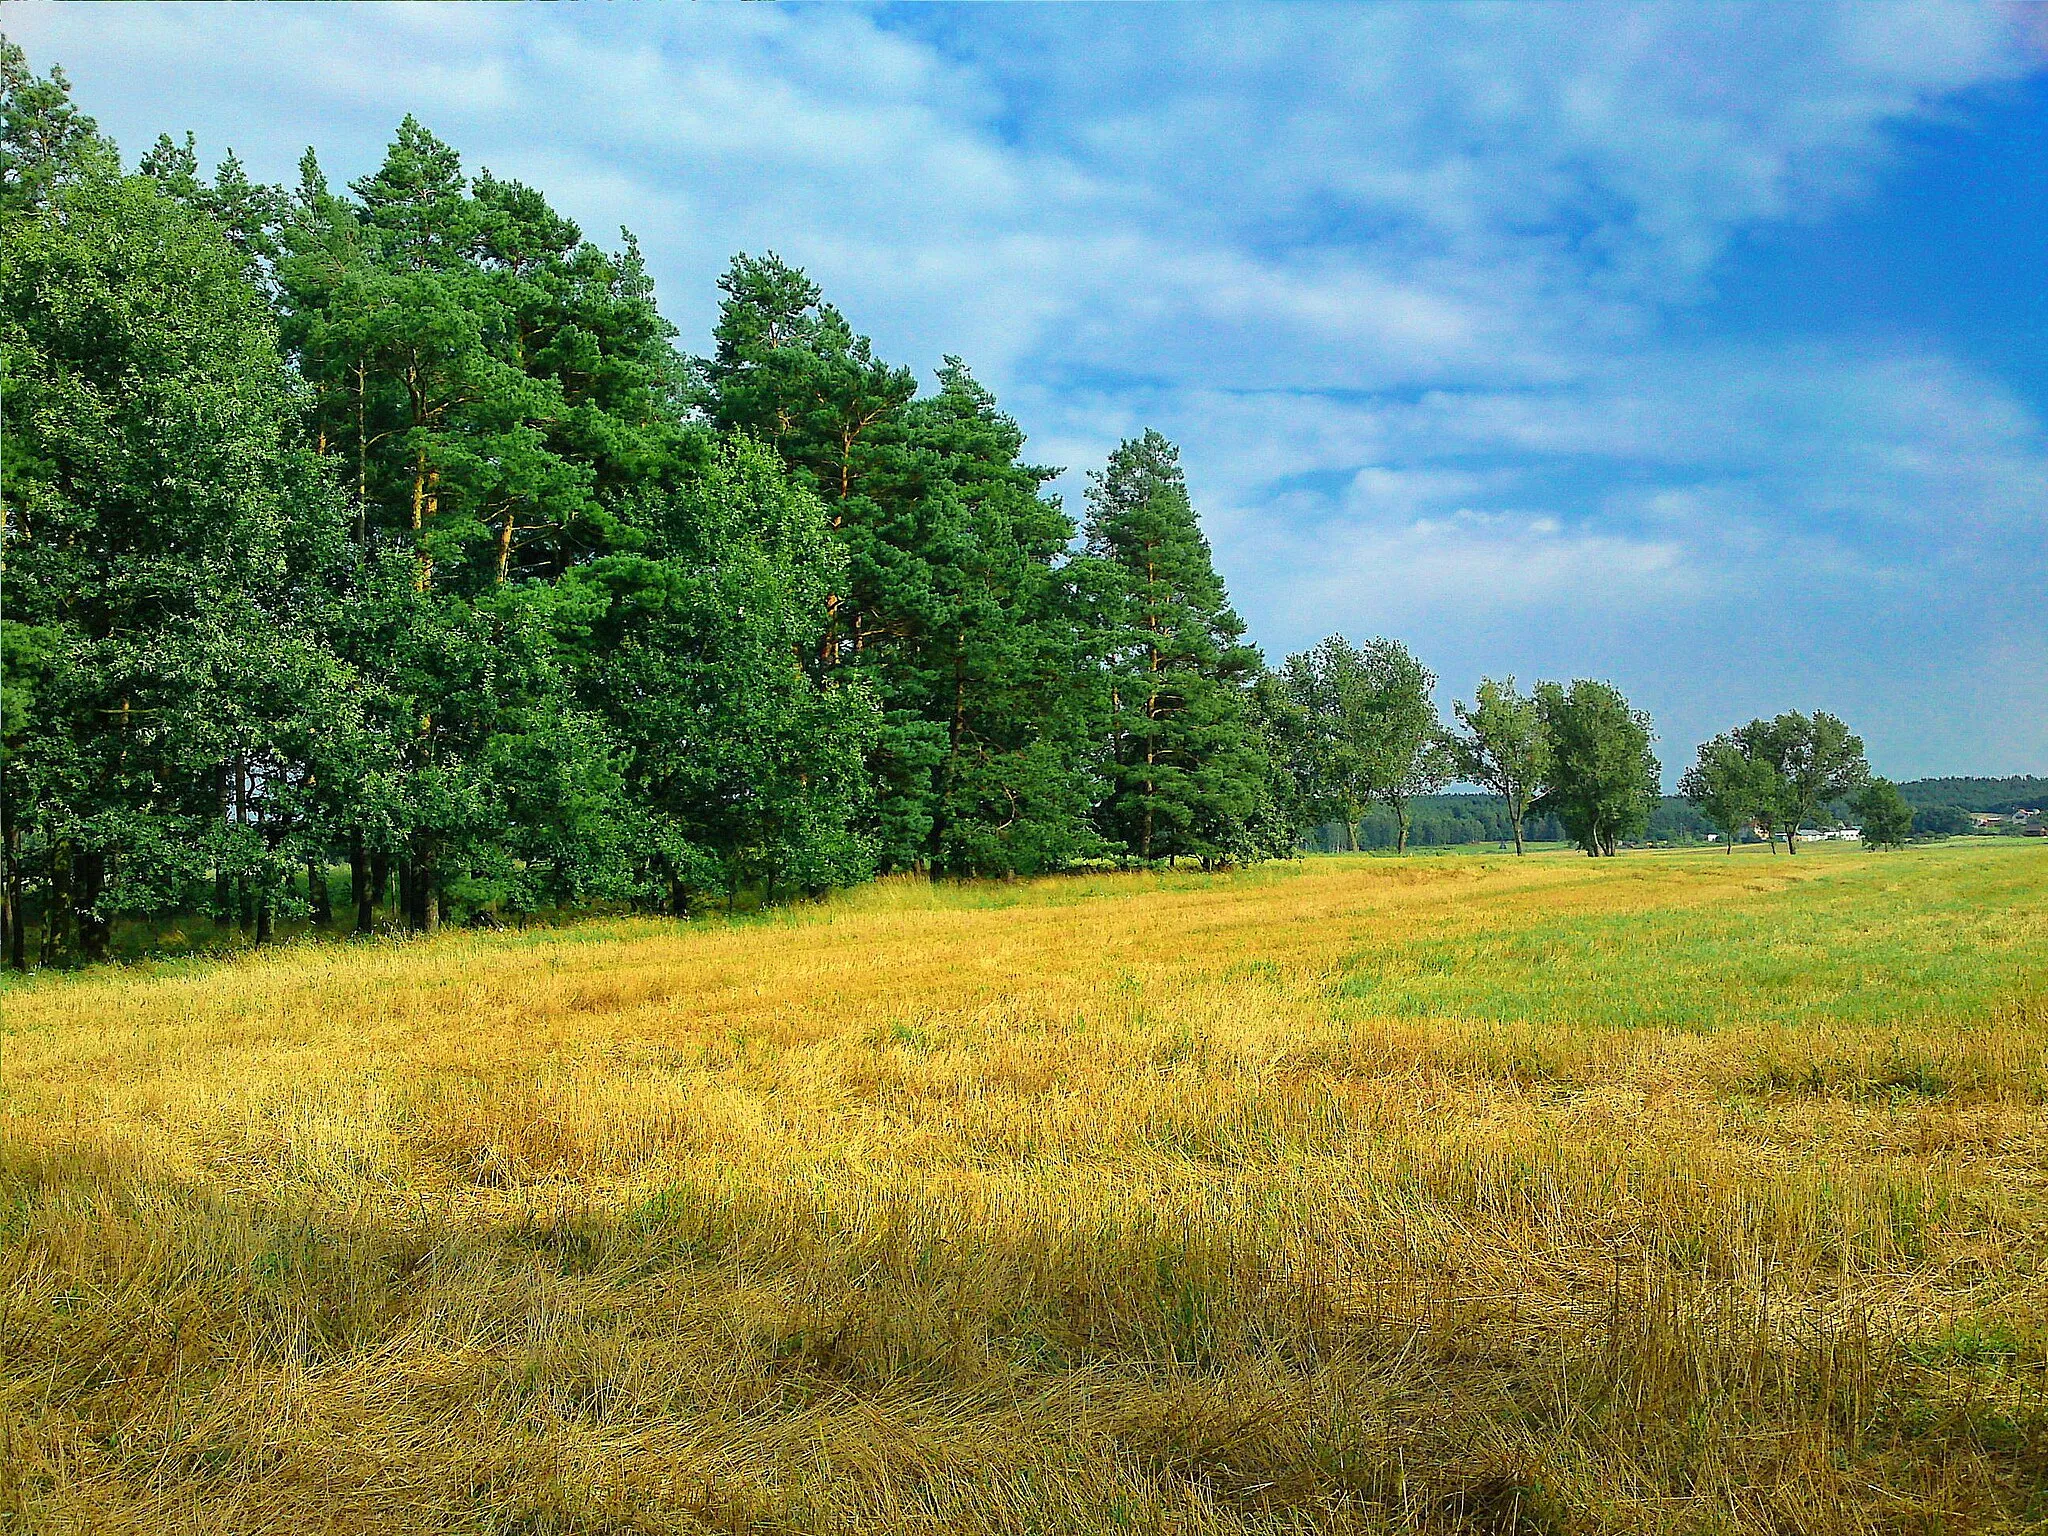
(1703, 348)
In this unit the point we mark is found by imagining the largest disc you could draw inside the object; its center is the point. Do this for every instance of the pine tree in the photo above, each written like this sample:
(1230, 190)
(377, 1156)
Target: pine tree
(1187, 774)
(501, 402)
(956, 615)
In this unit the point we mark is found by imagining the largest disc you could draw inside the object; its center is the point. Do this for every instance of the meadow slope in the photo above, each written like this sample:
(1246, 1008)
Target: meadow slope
(1674, 1192)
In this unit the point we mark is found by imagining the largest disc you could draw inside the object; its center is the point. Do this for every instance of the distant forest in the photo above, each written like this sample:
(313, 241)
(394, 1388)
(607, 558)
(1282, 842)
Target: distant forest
(1999, 796)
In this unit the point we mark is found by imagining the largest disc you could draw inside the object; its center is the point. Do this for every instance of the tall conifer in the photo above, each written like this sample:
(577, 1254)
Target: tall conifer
(1186, 770)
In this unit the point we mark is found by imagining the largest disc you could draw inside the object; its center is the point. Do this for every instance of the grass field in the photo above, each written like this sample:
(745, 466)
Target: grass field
(1674, 1192)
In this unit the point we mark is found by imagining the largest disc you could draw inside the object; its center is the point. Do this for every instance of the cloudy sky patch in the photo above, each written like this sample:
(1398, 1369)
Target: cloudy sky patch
(1698, 347)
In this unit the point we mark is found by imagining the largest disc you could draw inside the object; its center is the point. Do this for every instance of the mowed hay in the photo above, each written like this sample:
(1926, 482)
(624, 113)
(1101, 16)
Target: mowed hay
(1675, 1192)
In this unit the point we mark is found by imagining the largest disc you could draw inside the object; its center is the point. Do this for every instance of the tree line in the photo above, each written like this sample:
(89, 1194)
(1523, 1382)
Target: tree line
(387, 527)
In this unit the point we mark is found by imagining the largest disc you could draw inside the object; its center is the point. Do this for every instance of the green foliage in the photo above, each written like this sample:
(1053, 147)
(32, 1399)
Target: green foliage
(380, 582)
(1804, 763)
(45, 141)
(1188, 777)
(955, 611)
(1603, 780)
(1505, 746)
(1819, 759)
(388, 524)
(163, 526)
(1372, 733)
(1939, 820)
(1733, 785)
(1886, 818)
(744, 765)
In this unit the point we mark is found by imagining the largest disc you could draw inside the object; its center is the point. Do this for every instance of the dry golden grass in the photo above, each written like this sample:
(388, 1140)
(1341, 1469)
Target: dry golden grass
(1667, 1193)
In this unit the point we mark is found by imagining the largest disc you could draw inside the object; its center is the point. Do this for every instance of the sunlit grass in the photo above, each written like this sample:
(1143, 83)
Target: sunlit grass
(1676, 1192)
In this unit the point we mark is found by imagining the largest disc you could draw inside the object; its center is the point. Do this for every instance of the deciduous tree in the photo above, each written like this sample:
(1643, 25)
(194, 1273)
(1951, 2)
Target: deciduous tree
(1505, 746)
(1603, 775)
(1886, 818)
(1732, 785)
(1816, 759)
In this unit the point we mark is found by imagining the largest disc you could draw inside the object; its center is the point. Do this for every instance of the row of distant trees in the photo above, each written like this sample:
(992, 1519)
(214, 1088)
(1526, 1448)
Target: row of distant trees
(1360, 728)
(1362, 731)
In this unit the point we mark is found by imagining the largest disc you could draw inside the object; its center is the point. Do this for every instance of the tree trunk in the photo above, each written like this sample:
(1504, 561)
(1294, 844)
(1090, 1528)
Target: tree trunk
(362, 454)
(94, 930)
(57, 906)
(242, 908)
(359, 882)
(380, 877)
(426, 886)
(1791, 838)
(318, 900)
(678, 899)
(1401, 832)
(406, 908)
(16, 944)
(423, 570)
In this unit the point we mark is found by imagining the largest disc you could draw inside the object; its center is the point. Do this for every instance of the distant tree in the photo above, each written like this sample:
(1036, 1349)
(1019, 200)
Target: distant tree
(1816, 759)
(1758, 744)
(1998, 796)
(1730, 784)
(1942, 821)
(1886, 819)
(1406, 751)
(1603, 776)
(1505, 747)
(1331, 693)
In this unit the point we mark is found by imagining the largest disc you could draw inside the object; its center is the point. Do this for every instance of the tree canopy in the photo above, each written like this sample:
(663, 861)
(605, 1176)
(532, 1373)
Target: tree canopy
(1604, 776)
